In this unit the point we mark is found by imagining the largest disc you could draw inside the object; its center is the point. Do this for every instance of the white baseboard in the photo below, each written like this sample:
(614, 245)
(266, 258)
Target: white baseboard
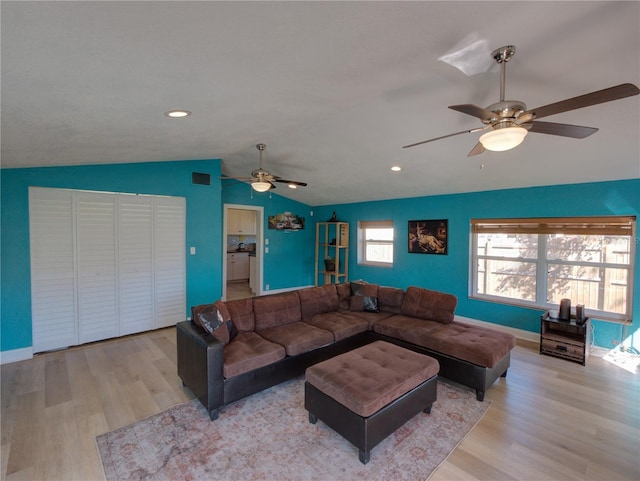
(519, 333)
(16, 355)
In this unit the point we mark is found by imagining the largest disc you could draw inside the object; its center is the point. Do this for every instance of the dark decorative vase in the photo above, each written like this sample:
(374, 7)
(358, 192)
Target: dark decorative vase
(329, 265)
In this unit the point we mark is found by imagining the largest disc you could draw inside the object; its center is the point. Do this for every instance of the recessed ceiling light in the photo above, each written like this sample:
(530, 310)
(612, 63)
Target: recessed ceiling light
(292, 186)
(396, 168)
(177, 114)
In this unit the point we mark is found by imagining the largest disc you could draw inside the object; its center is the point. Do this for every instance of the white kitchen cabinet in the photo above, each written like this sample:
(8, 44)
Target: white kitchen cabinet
(241, 222)
(238, 266)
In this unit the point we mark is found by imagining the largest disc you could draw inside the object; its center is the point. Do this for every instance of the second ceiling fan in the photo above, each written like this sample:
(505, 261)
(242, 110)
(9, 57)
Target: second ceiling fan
(262, 181)
(509, 121)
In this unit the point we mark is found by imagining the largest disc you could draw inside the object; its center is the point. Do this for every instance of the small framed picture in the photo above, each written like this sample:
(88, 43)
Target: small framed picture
(428, 236)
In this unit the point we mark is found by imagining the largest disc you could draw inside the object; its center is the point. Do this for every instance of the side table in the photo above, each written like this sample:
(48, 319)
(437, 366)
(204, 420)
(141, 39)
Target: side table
(565, 339)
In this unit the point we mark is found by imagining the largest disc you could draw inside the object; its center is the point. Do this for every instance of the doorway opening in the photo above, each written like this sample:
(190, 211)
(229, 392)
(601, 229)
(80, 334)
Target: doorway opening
(242, 266)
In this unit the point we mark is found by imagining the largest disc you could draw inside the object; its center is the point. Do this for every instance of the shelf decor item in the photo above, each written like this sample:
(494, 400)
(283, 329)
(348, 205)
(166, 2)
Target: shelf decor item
(428, 236)
(330, 265)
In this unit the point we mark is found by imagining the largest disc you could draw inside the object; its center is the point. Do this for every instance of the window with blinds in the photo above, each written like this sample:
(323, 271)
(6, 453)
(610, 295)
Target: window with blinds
(538, 262)
(375, 243)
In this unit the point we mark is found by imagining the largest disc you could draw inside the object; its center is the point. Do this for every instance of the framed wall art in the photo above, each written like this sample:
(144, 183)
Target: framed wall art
(428, 236)
(285, 221)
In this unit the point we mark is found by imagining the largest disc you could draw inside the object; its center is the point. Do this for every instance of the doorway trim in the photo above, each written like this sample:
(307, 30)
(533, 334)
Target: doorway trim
(259, 210)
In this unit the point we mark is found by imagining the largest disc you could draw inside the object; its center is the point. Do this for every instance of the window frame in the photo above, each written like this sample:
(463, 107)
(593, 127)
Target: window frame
(362, 242)
(542, 227)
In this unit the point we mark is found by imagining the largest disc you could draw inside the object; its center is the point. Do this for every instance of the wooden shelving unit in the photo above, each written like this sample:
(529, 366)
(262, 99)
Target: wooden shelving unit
(565, 339)
(332, 242)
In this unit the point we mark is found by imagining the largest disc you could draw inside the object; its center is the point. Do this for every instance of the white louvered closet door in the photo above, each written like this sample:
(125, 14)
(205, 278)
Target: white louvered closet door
(104, 265)
(53, 277)
(170, 259)
(135, 261)
(97, 266)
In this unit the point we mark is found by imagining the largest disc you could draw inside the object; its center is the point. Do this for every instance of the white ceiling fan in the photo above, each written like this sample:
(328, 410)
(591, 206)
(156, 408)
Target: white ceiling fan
(507, 122)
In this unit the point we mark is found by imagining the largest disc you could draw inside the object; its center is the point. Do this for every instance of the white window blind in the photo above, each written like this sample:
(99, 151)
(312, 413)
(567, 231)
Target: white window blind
(375, 239)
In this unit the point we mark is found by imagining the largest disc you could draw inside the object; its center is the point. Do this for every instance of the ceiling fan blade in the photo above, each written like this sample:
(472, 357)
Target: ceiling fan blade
(475, 111)
(598, 97)
(564, 130)
(444, 137)
(285, 181)
(225, 177)
(478, 149)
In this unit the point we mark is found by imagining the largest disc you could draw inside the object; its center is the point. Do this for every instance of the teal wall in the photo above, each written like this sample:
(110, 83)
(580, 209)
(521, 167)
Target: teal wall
(450, 273)
(204, 221)
(289, 262)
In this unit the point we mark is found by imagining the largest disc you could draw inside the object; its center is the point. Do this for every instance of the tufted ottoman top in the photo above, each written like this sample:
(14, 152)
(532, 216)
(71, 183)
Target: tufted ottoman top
(372, 376)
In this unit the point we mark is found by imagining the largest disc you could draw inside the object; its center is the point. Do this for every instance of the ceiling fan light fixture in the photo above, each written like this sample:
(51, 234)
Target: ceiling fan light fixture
(260, 186)
(505, 138)
(292, 186)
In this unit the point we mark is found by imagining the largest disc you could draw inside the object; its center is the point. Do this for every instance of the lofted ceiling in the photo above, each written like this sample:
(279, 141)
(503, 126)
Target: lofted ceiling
(334, 89)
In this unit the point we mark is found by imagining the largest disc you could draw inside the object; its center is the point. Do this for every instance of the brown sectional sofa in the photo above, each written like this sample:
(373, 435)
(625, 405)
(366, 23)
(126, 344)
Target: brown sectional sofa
(280, 335)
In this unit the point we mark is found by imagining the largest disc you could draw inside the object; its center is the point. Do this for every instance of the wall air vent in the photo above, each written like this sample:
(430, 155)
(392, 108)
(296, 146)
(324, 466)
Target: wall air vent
(199, 178)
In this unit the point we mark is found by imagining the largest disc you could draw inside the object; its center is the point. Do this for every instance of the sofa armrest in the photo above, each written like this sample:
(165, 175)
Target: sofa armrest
(200, 364)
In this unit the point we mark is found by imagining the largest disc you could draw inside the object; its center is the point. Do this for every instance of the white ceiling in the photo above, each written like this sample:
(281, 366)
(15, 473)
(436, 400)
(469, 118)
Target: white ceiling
(333, 88)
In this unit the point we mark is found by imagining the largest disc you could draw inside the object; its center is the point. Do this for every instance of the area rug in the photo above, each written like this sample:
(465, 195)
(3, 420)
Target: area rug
(268, 436)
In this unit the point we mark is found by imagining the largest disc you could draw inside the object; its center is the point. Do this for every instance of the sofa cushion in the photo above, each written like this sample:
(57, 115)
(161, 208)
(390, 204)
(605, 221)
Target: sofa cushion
(428, 304)
(362, 288)
(276, 310)
(364, 303)
(249, 351)
(215, 319)
(241, 311)
(390, 299)
(318, 300)
(370, 317)
(341, 324)
(477, 345)
(344, 294)
(298, 337)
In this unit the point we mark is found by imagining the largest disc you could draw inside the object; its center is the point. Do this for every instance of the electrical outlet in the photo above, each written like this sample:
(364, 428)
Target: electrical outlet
(266, 288)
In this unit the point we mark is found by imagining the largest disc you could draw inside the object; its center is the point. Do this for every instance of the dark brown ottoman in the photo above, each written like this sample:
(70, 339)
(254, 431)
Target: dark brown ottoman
(368, 393)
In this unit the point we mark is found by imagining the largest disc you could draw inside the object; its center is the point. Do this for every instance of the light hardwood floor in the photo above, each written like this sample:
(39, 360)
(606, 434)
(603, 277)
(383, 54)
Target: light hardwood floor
(550, 419)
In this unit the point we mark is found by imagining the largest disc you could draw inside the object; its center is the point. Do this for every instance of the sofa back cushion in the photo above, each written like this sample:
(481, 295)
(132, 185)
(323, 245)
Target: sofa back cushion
(318, 300)
(344, 294)
(241, 312)
(364, 297)
(390, 299)
(428, 304)
(276, 310)
(216, 320)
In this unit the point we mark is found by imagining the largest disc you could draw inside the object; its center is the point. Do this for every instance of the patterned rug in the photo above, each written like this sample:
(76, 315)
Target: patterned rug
(268, 436)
